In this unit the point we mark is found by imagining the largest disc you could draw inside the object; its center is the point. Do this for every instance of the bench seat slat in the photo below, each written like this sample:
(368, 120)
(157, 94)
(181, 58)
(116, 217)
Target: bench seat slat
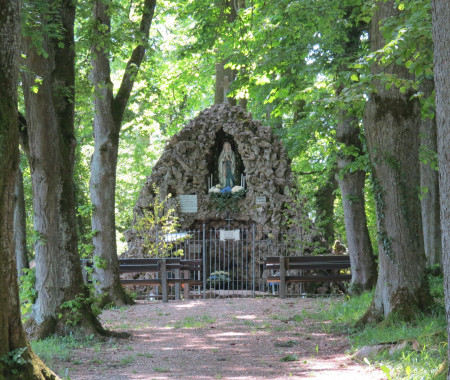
(307, 259)
(138, 268)
(169, 260)
(157, 281)
(312, 278)
(309, 266)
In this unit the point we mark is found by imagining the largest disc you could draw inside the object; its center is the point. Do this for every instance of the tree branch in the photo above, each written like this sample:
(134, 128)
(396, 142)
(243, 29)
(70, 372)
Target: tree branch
(119, 103)
(309, 173)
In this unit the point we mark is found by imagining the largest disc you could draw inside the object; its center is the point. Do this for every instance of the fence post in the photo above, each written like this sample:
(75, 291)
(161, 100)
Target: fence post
(282, 277)
(177, 285)
(204, 262)
(187, 287)
(164, 280)
(253, 262)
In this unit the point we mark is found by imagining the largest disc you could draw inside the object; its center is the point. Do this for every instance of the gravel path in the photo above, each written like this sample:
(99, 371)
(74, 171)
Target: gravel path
(218, 339)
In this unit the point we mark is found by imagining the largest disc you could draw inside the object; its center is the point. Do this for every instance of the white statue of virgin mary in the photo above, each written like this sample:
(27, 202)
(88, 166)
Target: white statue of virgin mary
(227, 163)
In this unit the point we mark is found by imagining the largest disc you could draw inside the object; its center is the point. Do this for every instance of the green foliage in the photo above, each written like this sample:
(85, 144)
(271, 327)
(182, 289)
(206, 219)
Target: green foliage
(41, 20)
(226, 201)
(72, 310)
(100, 262)
(156, 226)
(38, 238)
(27, 292)
(13, 360)
(428, 156)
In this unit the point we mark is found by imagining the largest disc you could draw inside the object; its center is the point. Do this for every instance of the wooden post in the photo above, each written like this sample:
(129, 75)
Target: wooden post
(177, 285)
(282, 277)
(186, 285)
(164, 280)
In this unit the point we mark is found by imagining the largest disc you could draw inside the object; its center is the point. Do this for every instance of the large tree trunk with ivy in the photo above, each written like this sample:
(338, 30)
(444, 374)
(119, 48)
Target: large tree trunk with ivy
(49, 86)
(20, 235)
(351, 183)
(325, 197)
(17, 360)
(392, 122)
(109, 111)
(441, 36)
(429, 183)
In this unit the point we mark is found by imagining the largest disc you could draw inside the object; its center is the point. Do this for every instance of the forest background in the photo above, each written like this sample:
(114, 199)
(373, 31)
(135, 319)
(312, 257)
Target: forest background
(306, 69)
(290, 83)
(347, 85)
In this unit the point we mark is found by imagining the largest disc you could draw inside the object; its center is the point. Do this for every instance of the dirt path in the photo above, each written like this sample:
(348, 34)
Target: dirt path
(217, 339)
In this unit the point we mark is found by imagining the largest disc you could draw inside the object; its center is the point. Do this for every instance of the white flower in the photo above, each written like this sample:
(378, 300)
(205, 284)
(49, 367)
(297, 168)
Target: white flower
(214, 190)
(236, 189)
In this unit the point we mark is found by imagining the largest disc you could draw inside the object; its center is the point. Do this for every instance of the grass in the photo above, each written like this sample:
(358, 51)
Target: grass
(61, 347)
(425, 355)
(195, 322)
(289, 358)
(145, 355)
(161, 369)
(288, 343)
(127, 360)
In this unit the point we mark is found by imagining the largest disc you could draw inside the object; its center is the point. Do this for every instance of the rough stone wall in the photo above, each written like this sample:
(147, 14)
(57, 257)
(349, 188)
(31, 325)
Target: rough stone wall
(185, 166)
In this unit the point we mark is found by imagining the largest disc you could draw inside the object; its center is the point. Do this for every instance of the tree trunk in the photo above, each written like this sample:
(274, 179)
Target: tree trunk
(109, 112)
(364, 268)
(429, 179)
(325, 197)
(51, 141)
(224, 79)
(20, 235)
(226, 76)
(392, 122)
(441, 36)
(12, 336)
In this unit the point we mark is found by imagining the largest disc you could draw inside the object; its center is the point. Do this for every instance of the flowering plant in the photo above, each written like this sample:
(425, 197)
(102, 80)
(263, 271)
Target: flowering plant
(237, 189)
(214, 189)
(226, 198)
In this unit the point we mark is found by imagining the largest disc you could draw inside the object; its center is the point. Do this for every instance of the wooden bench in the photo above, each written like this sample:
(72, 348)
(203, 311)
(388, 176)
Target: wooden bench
(306, 265)
(181, 269)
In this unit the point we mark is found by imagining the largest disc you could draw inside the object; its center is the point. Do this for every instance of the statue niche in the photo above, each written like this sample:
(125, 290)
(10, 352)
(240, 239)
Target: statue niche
(227, 166)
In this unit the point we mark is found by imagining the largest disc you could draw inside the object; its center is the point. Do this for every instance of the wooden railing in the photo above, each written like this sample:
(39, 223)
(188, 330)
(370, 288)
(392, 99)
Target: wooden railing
(323, 268)
(180, 268)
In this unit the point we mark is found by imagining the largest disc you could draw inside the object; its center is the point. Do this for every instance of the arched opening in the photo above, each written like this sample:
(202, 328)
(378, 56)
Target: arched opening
(213, 158)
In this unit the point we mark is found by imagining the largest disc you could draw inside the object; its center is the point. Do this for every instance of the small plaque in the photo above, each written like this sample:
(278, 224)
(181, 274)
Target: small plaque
(229, 235)
(188, 203)
(261, 200)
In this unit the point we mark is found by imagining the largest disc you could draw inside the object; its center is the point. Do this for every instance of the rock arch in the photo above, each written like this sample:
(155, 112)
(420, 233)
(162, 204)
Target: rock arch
(189, 159)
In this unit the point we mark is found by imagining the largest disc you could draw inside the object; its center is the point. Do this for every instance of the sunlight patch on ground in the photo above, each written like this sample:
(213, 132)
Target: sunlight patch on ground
(246, 317)
(231, 333)
(189, 305)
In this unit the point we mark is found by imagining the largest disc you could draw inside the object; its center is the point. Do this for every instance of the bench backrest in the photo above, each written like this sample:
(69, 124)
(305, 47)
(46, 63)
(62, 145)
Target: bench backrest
(145, 265)
(310, 262)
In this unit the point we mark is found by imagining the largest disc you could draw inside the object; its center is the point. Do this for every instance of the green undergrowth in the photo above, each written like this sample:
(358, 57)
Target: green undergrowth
(61, 347)
(424, 355)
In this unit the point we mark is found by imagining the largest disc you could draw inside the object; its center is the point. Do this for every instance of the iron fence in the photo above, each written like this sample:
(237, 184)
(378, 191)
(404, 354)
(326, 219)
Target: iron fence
(233, 260)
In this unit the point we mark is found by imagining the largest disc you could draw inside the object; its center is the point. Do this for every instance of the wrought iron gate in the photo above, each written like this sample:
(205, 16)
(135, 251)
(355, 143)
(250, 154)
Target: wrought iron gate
(233, 260)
